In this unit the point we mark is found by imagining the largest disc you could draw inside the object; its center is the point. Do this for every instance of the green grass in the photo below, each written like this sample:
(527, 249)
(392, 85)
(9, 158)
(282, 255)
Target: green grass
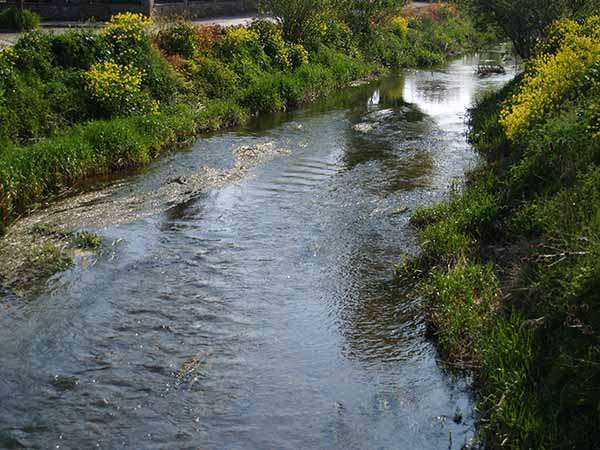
(511, 267)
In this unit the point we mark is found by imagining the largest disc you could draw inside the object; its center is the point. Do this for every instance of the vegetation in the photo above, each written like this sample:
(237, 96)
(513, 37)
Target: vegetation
(18, 20)
(85, 103)
(525, 23)
(511, 262)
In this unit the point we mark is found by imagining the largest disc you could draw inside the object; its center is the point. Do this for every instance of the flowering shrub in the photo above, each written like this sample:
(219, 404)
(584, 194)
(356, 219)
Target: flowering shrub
(399, 26)
(126, 35)
(241, 43)
(270, 37)
(298, 55)
(552, 77)
(336, 34)
(116, 89)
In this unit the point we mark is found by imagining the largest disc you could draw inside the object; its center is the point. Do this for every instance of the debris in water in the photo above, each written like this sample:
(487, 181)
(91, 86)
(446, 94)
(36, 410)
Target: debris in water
(64, 382)
(363, 127)
(189, 367)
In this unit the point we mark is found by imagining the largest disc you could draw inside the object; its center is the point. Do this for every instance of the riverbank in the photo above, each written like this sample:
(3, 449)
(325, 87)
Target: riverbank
(71, 111)
(54, 89)
(510, 262)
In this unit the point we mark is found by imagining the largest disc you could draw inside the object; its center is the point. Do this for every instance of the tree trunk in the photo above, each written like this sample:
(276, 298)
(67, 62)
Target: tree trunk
(21, 5)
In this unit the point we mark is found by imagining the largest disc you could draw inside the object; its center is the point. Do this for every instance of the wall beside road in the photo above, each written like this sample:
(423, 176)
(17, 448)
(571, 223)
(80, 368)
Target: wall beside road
(196, 9)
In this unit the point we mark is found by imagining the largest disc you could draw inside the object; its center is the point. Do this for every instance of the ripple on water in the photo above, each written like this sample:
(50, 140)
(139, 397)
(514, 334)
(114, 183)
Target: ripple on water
(258, 310)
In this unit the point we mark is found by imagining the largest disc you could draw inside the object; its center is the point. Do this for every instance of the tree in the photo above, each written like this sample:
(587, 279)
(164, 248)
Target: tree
(525, 21)
(362, 14)
(299, 19)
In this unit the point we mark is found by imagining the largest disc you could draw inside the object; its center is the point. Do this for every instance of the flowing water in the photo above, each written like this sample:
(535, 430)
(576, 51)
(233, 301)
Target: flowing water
(261, 313)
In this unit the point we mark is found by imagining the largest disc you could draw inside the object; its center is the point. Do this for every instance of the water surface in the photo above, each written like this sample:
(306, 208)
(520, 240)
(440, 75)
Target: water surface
(261, 314)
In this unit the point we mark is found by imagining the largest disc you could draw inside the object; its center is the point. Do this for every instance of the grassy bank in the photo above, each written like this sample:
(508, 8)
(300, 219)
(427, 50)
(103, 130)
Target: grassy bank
(84, 103)
(511, 262)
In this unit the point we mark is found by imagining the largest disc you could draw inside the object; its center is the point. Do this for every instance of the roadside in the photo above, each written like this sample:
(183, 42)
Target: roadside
(8, 39)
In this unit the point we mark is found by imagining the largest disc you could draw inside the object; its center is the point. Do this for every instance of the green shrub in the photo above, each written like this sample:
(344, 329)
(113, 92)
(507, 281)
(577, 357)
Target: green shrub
(16, 20)
(178, 38)
(33, 53)
(264, 95)
(302, 21)
(79, 48)
(160, 79)
(344, 67)
(217, 79)
(7, 78)
(271, 39)
(337, 35)
(240, 43)
(26, 113)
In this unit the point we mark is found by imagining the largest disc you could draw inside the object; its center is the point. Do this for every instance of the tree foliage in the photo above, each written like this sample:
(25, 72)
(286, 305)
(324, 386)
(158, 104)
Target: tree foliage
(525, 21)
(301, 20)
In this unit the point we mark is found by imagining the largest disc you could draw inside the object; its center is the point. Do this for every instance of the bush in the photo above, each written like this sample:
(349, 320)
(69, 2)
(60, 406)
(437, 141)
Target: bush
(301, 20)
(264, 95)
(216, 78)
(16, 20)
(399, 26)
(240, 43)
(525, 23)
(178, 38)
(160, 79)
(127, 38)
(116, 89)
(207, 36)
(362, 15)
(298, 55)
(33, 53)
(271, 39)
(336, 34)
(79, 49)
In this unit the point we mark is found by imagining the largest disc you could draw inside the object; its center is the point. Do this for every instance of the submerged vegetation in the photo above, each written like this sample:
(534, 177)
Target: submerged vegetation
(85, 103)
(510, 263)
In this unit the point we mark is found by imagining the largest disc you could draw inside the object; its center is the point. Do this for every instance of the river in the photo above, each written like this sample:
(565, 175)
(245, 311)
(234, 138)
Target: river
(261, 313)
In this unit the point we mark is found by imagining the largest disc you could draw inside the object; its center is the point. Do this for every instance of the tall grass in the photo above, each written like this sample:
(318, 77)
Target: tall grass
(511, 263)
